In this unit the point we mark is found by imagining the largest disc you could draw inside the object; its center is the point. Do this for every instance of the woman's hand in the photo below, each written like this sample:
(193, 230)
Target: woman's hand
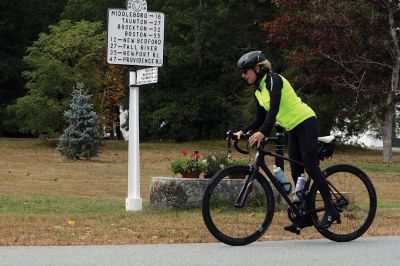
(238, 134)
(256, 138)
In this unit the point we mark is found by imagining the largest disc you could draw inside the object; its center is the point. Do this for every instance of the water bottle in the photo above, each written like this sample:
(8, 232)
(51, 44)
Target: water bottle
(282, 179)
(298, 192)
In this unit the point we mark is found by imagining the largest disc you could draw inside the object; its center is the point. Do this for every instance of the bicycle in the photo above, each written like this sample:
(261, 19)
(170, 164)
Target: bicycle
(238, 212)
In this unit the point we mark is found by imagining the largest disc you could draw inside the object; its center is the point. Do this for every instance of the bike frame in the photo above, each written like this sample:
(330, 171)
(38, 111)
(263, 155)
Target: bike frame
(303, 214)
(259, 162)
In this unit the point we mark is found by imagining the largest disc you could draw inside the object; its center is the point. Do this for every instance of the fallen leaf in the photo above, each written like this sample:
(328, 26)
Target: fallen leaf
(71, 222)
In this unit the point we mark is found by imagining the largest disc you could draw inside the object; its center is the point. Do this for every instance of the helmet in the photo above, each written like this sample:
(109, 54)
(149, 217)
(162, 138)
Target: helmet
(250, 60)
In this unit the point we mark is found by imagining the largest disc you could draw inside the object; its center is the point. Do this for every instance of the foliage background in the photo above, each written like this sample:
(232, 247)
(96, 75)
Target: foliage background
(199, 94)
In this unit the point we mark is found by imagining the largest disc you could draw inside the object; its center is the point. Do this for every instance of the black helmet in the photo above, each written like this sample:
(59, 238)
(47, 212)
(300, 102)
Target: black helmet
(250, 60)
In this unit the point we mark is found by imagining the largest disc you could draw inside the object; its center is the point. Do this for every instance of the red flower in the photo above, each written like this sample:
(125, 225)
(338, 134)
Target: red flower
(195, 155)
(183, 151)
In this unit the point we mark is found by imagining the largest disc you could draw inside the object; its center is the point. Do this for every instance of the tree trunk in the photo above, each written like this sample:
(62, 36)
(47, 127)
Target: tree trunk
(391, 111)
(387, 135)
(199, 42)
(118, 131)
(117, 123)
(111, 132)
(394, 135)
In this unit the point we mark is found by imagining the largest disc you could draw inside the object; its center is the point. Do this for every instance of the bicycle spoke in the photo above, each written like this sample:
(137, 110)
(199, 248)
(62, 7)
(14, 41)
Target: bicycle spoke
(356, 211)
(237, 225)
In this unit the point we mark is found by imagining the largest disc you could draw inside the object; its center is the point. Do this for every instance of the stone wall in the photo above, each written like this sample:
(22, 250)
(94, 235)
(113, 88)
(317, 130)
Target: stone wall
(171, 192)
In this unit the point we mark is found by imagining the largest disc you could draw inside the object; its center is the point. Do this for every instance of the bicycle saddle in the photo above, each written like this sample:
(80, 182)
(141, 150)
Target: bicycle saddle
(326, 139)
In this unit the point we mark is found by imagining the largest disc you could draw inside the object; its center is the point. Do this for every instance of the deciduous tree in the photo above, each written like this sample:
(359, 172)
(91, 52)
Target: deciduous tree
(56, 61)
(350, 48)
(20, 23)
(198, 88)
(113, 92)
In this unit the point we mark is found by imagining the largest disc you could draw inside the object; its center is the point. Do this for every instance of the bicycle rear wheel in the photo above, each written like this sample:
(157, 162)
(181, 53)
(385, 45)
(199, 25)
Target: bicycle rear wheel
(354, 197)
(232, 225)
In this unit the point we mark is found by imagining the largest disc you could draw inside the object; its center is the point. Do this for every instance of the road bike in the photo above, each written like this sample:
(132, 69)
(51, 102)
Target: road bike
(239, 211)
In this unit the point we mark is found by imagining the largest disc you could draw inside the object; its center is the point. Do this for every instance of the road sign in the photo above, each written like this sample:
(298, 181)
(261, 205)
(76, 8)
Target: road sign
(135, 36)
(147, 76)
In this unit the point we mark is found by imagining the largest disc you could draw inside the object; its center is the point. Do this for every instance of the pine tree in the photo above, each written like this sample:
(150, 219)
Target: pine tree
(81, 139)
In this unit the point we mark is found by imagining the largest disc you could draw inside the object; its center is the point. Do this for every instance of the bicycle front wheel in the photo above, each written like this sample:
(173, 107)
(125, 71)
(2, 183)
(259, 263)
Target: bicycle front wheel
(354, 197)
(237, 225)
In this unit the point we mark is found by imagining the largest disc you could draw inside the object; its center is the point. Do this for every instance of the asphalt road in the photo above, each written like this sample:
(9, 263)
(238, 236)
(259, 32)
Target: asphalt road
(363, 251)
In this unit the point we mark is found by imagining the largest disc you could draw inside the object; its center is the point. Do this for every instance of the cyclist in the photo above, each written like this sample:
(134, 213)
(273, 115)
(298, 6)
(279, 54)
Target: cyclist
(276, 100)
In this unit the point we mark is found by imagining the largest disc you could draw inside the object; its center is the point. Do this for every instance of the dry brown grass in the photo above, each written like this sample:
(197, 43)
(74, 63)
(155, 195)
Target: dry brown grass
(27, 168)
(146, 227)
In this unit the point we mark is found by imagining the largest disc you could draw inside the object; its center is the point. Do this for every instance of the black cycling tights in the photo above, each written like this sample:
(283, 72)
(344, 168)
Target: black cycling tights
(303, 147)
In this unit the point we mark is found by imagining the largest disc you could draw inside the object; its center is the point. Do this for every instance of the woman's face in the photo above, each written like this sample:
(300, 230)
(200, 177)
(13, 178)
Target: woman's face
(249, 75)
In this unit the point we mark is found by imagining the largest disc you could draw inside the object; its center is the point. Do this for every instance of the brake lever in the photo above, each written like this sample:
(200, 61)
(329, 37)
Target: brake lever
(231, 137)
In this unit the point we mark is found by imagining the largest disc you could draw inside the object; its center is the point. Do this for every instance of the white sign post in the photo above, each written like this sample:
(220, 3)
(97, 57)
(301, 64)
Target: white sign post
(135, 37)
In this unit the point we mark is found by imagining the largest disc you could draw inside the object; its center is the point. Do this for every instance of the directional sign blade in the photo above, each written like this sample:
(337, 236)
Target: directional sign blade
(135, 38)
(147, 76)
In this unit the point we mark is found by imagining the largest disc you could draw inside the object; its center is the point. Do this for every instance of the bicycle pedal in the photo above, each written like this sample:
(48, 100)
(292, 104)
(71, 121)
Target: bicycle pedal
(293, 229)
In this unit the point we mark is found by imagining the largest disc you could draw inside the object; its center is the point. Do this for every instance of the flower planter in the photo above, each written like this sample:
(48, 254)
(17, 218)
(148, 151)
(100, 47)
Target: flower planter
(190, 174)
(236, 176)
(176, 192)
(208, 176)
(188, 167)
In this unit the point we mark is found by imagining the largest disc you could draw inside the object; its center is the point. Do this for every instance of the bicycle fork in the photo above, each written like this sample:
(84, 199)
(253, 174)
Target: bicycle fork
(246, 188)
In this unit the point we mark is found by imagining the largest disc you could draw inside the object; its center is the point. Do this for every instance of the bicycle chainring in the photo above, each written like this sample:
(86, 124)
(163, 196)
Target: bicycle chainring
(291, 215)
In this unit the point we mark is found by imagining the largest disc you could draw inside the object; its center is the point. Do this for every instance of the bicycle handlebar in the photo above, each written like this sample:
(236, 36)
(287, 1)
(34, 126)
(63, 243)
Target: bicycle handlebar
(231, 137)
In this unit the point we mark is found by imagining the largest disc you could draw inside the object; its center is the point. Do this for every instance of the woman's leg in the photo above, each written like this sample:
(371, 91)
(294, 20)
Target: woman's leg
(308, 132)
(295, 154)
(297, 170)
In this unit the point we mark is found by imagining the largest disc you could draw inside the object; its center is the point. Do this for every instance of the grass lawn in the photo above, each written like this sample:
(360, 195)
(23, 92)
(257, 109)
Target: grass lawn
(46, 199)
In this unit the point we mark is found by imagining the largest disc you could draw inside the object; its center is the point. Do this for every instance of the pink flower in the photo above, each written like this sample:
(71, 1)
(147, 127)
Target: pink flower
(184, 152)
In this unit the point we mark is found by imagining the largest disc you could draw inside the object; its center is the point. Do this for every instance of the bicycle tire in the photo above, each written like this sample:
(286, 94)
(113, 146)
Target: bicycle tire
(357, 189)
(224, 221)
